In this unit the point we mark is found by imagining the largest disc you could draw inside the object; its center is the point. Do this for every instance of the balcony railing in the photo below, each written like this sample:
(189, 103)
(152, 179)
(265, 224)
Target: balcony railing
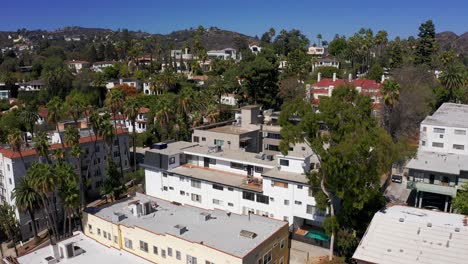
(442, 188)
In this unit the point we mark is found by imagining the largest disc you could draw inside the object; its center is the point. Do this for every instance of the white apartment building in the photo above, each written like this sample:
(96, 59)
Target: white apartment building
(77, 65)
(224, 54)
(441, 164)
(13, 169)
(140, 122)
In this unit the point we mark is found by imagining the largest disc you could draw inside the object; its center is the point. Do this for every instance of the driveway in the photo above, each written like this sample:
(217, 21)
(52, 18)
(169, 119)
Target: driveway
(397, 192)
(300, 251)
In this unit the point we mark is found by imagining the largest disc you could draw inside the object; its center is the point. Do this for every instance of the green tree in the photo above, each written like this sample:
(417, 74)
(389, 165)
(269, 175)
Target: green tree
(131, 109)
(426, 46)
(68, 188)
(15, 140)
(460, 202)
(27, 199)
(41, 144)
(9, 224)
(453, 78)
(375, 73)
(55, 112)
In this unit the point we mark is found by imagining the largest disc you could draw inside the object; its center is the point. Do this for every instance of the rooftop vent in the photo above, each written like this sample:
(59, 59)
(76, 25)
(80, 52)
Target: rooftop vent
(457, 229)
(429, 224)
(49, 260)
(180, 229)
(204, 216)
(247, 234)
(159, 146)
(118, 216)
(401, 219)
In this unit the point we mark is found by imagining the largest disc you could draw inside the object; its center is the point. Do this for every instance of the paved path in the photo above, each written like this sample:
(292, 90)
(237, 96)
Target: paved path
(397, 192)
(300, 250)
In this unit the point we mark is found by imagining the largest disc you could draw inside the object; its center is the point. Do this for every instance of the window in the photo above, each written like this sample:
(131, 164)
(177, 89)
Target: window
(237, 166)
(181, 178)
(218, 202)
(209, 262)
(169, 252)
(128, 243)
(286, 202)
(196, 139)
(263, 199)
(196, 183)
(104, 234)
(297, 202)
(258, 169)
(282, 243)
(311, 194)
(171, 188)
(203, 139)
(460, 147)
(267, 257)
(8, 167)
(310, 209)
(248, 196)
(171, 160)
(423, 143)
(272, 147)
(439, 130)
(230, 204)
(230, 189)
(143, 246)
(116, 239)
(182, 193)
(191, 260)
(284, 162)
(196, 198)
(437, 144)
(163, 253)
(165, 188)
(164, 175)
(424, 129)
(460, 132)
(280, 184)
(213, 161)
(178, 255)
(299, 186)
(218, 142)
(441, 136)
(218, 187)
(155, 250)
(9, 180)
(99, 231)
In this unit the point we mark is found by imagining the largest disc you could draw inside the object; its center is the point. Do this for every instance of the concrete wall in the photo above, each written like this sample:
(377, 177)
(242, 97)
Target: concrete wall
(448, 138)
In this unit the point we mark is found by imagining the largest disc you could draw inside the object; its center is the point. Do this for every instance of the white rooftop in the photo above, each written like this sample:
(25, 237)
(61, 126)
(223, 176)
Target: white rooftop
(94, 252)
(439, 162)
(401, 234)
(221, 231)
(450, 115)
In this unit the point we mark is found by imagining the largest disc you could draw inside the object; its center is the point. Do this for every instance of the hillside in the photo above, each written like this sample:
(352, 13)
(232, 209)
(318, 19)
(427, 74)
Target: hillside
(449, 40)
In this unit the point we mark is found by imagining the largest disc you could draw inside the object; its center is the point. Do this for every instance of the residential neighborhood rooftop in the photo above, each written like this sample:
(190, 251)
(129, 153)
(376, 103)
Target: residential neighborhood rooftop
(439, 162)
(450, 115)
(94, 252)
(173, 148)
(219, 230)
(230, 129)
(401, 234)
(284, 175)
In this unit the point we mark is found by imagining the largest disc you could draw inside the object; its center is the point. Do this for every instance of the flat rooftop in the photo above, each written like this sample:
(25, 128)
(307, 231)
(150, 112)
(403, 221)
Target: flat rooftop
(94, 253)
(216, 176)
(439, 162)
(231, 155)
(401, 234)
(221, 231)
(173, 148)
(450, 115)
(230, 129)
(284, 175)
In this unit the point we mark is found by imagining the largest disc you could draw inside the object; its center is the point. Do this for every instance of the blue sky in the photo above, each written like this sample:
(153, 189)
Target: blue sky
(398, 17)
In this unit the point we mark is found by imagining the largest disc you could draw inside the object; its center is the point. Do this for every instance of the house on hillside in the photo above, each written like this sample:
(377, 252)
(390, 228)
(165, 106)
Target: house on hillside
(128, 81)
(31, 86)
(255, 49)
(99, 66)
(224, 54)
(326, 62)
(140, 122)
(316, 51)
(78, 65)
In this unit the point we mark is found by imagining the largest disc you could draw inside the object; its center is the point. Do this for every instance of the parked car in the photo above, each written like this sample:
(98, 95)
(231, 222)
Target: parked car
(397, 178)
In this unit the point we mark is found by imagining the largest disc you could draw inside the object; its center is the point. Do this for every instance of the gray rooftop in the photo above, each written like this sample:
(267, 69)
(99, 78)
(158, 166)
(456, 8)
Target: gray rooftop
(221, 231)
(284, 175)
(231, 155)
(439, 162)
(401, 234)
(230, 129)
(450, 115)
(173, 148)
(94, 253)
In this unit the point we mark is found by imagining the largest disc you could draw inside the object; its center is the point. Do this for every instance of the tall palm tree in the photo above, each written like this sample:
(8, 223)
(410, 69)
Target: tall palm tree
(29, 117)
(27, 199)
(72, 139)
(68, 191)
(55, 109)
(391, 93)
(44, 181)
(15, 140)
(75, 106)
(115, 101)
(41, 144)
(131, 110)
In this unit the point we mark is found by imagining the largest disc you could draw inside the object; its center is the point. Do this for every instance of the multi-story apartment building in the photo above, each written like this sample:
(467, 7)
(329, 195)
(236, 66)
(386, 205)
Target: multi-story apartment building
(13, 167)
(161, 231)
(223, 167)
(441, 164)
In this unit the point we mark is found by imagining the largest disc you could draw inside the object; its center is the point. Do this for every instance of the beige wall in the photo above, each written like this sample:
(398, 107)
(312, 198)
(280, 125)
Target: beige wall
(273, 244)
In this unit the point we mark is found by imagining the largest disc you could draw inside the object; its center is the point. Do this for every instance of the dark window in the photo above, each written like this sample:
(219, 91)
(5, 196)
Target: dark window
(258, 169)
(213, 161)
(196, 139)
(203, 139)
(230, 189)
(248, 196)
(262, 199)
(284, 162)
(238, 166)
(171, 160)
(218, 187)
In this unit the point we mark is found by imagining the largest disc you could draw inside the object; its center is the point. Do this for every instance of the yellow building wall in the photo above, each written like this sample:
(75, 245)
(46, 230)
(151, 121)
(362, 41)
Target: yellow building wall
(272, 244)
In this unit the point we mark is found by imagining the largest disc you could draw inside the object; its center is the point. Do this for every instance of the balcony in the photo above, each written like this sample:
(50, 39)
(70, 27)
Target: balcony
(442, 188)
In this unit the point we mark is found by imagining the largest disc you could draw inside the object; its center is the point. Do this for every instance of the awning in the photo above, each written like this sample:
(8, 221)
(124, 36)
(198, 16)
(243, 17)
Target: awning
(244, 139)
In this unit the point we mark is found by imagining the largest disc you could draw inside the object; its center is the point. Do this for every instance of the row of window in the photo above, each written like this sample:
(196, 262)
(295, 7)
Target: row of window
(439, 130)
(441, 145)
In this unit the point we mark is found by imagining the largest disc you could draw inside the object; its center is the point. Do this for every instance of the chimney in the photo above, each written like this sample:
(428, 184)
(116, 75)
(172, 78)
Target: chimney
(319, 77)
(334, 77)
(383, 79)
(55, 251)
(350, 77)
(330, 91)
(120, 81)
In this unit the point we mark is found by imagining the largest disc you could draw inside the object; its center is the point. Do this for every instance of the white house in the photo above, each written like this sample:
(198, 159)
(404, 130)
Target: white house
(255, 49)
(140, 122)
(99, 66)
(224, 54)
(318, 51)
(326, 62)
(4, 91)
(128, 81)
(31, 86)
(229, 99)
(78, 65)
(441, 164)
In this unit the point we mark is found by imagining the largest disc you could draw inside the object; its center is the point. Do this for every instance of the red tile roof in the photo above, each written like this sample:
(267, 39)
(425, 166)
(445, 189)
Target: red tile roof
(327, 82)
(366, 84)
(143, 110)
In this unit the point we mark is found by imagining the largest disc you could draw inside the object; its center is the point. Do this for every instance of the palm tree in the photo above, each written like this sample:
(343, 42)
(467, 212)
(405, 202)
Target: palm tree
(41, 144)
(27, 199)
(44, 181)
(115, 101)
(154, 84)
(131, 109)
(75, 106)
(391, 93)
(68, 191)
(55, 110)
(29, 117)
(72, 139)
(15, 140)
(452, 79)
